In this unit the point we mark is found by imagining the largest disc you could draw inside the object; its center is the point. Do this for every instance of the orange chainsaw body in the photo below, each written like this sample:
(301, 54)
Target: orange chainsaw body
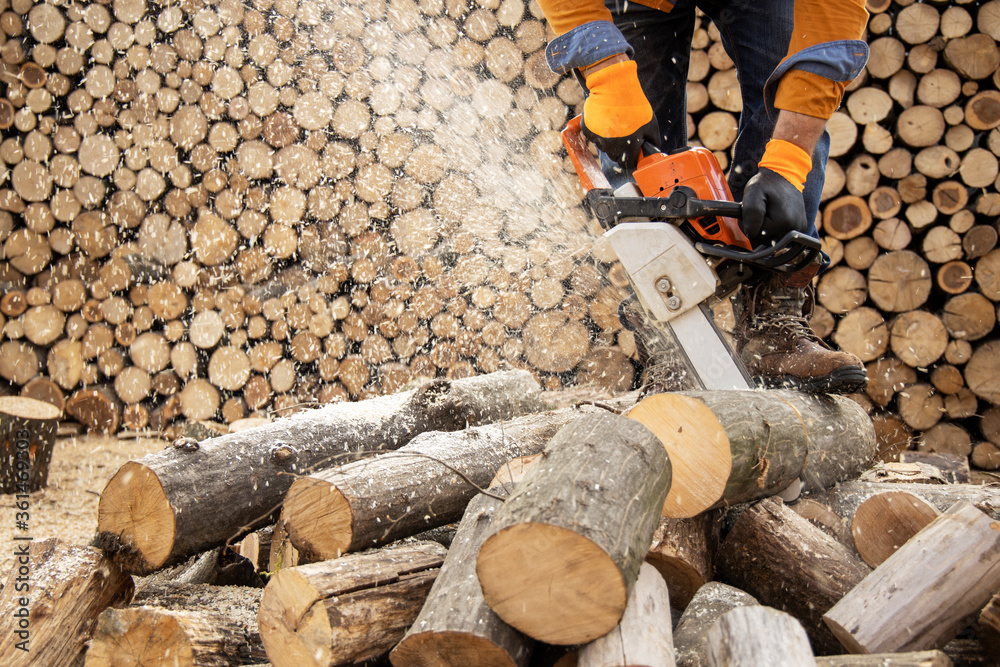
(696, 168)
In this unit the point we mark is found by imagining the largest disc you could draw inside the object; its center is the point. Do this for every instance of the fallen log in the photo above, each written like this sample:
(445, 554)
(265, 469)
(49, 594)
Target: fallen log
(752, 636)
(346, 610)
(788, 563)
(911, 659)
(51, 600)
(142, 635)
(926, 592)
(845, 498)
(194, 624)
(989, 625)
(644, 637)
(456, 626)
(707, 606)
(566, 547)
(728, 447)
(27, 435)
(425, 484)
(159, 509)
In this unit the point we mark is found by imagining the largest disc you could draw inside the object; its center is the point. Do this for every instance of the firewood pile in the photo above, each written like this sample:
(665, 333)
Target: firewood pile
(469, 522)
(214, 210)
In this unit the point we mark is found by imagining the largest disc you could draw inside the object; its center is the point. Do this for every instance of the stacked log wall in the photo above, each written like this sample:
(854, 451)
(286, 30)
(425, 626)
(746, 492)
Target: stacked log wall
(225, 207)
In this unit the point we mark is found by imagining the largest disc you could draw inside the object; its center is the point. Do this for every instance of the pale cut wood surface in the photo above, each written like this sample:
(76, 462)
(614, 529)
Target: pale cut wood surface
(346, 610)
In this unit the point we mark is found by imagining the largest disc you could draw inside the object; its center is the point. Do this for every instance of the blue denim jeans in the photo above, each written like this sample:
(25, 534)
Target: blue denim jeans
(755, 34)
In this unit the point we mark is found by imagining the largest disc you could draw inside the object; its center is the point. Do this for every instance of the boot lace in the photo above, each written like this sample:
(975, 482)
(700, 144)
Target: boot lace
(793, 326)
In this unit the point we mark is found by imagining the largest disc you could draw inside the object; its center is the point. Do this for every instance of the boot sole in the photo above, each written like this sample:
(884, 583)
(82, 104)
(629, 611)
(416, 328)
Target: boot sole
(840, 381)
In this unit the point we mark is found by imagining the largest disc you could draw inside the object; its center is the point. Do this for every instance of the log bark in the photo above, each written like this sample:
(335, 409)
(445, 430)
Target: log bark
(784, 561)
(27, 435)
(683, 552)
(751, 445)
(561, 575)
(845, 498)
(750, 636)
(70, 586)
(644, 638)
(709, 604)
(456, 626)
(922, 596)
(150, 512)
(368, 503)
(346, 610)
(141, 635)
(910, 659)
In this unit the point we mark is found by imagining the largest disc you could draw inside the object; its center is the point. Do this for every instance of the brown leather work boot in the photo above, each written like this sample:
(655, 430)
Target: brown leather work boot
(778, 347)
(660, 360)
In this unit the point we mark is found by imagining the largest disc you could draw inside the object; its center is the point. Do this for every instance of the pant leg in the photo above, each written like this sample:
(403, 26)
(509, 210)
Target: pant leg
(755, 34)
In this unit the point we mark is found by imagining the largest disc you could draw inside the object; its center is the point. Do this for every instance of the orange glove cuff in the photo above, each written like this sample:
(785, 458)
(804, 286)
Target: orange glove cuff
(616, 105)
(785, 158)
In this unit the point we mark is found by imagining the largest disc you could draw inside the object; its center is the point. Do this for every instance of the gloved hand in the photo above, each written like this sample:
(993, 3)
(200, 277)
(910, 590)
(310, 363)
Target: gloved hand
(617, 117)
(772, 199)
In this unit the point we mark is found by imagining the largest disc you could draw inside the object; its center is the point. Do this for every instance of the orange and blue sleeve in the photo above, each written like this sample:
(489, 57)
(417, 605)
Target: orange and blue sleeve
(825, 53)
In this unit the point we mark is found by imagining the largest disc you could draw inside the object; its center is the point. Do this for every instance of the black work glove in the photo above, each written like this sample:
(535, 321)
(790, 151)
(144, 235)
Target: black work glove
(772, 207)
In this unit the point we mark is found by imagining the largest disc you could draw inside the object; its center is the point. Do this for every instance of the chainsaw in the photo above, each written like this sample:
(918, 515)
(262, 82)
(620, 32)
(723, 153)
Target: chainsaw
(676, 234)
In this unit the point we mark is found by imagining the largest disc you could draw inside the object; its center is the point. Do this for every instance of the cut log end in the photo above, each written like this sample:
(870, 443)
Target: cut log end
(576, 599)
(287, 606)
(698, 477)
(884, 522)
(147, 636)
(318, 519)
(134, 498)
(449, 648)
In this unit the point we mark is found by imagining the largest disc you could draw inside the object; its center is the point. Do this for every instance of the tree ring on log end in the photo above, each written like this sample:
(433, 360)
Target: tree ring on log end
(304, 630)
(697, 446)
(450, 648)
(318, 518)
(135, 520)
(554, 584)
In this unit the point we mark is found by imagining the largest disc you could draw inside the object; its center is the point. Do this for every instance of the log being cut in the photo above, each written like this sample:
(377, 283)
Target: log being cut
(728, 447)
(157, 510)
(566, 547)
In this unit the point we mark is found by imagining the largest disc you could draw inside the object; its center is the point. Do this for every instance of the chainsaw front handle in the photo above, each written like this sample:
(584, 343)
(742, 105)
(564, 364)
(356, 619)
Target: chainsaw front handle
(587, 167)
